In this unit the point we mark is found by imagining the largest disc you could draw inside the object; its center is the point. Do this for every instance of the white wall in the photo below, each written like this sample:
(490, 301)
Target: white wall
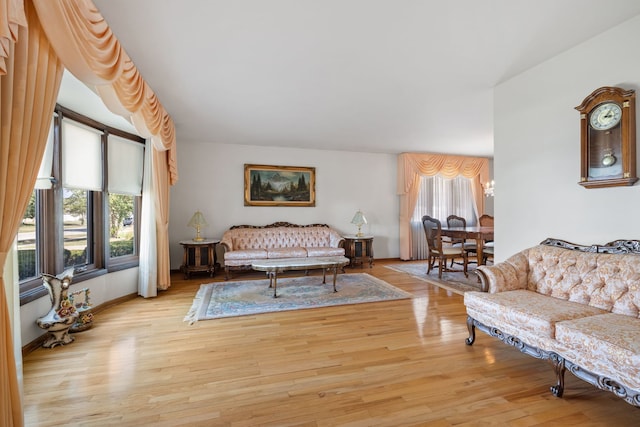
(211, 178)
(537, 148)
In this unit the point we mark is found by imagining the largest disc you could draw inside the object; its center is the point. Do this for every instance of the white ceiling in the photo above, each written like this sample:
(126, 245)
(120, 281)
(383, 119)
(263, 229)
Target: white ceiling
(381, 76)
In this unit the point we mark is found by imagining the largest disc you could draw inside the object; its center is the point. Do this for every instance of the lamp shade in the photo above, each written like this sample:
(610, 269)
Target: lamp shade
(359, 220)
(197, 221)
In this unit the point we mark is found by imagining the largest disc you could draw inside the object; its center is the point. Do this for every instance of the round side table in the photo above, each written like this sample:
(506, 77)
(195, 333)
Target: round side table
(199, 256)
(358, 249)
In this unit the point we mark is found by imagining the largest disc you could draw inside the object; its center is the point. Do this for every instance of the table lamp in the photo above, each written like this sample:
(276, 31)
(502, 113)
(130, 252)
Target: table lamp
(197, 221)
(359, 220)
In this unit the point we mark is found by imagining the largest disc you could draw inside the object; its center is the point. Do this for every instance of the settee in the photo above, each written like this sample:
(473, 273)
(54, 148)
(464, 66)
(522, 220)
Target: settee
(243, 244)
(576, 306)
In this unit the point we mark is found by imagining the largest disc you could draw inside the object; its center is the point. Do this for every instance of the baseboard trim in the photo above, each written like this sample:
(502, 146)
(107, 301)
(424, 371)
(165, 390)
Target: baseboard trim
(37, 343)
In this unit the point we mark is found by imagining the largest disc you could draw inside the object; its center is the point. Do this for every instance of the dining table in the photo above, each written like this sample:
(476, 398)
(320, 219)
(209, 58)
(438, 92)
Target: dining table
(477, 233)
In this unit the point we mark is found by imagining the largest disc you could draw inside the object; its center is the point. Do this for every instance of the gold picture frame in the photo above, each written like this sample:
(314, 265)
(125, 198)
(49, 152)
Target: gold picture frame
(266, 185)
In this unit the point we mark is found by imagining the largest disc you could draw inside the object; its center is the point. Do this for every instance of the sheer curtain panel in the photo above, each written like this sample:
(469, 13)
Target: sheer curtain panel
(148, 266)
(440, 197)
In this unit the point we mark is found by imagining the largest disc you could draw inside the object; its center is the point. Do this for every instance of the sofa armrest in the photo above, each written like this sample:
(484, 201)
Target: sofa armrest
(508, 275)
(226, 242)
(335, 239)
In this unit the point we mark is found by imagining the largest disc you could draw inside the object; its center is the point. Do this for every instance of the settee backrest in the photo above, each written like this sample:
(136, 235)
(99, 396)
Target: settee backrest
(604, 280)
(281, 237)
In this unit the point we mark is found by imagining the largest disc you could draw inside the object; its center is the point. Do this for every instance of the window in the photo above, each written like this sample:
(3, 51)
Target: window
(77, 223)
(28, 250)
(125, 167)
(84, 211)
(121, 225)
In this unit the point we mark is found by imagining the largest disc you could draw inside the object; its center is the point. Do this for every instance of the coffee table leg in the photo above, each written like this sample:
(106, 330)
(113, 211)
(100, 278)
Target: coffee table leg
(324, 276)
(275, 284)
(270, 276)
(335, 273)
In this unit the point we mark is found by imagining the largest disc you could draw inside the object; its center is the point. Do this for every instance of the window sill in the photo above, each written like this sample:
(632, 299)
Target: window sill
(39, 291)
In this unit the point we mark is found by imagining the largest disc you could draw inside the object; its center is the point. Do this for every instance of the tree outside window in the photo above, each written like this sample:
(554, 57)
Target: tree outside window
(121, 225)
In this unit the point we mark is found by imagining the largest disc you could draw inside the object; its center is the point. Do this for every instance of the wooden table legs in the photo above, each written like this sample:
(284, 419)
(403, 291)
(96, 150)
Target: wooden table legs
(273, 279)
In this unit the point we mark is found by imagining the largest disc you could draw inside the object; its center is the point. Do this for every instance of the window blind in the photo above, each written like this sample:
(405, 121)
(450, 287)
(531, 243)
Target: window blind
(125, 166)
(81, 156)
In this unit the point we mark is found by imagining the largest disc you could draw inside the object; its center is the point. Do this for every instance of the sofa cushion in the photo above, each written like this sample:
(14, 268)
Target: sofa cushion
(516, 311)
(244, 255)
(607, 344)
(324, 251)
(273, 253)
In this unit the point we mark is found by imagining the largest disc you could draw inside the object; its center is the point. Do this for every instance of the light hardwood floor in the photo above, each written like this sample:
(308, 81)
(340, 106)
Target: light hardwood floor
(394, 363)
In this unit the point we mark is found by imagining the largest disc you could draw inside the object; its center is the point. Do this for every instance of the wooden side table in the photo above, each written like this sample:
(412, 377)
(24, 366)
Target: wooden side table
(358, 249)
(199, 256)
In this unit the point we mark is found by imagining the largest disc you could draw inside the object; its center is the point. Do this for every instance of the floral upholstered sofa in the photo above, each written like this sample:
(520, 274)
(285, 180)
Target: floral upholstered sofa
(243, 244)
(575, 306)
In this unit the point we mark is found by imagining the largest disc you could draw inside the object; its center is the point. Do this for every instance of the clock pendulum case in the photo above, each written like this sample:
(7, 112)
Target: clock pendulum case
(608, 138)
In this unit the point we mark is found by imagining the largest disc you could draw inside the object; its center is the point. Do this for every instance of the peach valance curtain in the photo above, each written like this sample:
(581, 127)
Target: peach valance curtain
(88, 49)
(411, 166)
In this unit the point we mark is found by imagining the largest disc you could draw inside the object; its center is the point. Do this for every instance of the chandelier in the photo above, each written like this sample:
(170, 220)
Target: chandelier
(488, 188)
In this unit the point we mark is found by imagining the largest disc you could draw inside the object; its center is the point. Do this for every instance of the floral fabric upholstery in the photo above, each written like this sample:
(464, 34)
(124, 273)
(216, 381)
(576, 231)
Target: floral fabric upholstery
(243, 245)
(509, 275)
(607, 281)
(286, 252)
(522, 310)
(324, 251)
(585, 306)
(608, 344)
(236, 258)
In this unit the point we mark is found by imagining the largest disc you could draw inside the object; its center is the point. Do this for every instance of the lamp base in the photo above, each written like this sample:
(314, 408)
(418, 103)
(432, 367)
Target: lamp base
(198, 239)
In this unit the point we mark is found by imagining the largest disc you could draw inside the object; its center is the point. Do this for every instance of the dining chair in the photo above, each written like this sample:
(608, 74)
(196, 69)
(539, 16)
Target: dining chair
(458, 221)
(485, 220)
(433, 233)
(487, 254)
(487, 250)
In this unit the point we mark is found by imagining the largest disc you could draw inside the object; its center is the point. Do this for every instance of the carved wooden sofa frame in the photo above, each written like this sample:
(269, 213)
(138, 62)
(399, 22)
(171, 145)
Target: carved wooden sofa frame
(333, 240)
(559, 362)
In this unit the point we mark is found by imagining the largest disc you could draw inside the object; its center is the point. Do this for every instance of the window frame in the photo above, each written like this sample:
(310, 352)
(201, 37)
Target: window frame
(49, 215)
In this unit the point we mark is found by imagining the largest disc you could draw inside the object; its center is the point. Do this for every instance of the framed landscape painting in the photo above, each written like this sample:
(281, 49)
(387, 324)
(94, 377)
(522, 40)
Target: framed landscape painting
(279, 185)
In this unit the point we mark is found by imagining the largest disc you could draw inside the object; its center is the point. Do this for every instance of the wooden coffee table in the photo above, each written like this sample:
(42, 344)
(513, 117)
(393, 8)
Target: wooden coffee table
(274, 266)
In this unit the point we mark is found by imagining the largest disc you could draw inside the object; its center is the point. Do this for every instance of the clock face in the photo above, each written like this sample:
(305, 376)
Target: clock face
(605, 116)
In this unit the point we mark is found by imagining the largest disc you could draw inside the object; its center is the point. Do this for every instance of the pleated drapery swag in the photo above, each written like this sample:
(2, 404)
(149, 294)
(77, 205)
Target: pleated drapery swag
(29, 83)
(88, 49)
(411, 166)
(38, 39)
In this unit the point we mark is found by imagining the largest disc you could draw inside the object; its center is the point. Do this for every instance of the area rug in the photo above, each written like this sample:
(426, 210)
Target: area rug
(228, 299)
(452, 281)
